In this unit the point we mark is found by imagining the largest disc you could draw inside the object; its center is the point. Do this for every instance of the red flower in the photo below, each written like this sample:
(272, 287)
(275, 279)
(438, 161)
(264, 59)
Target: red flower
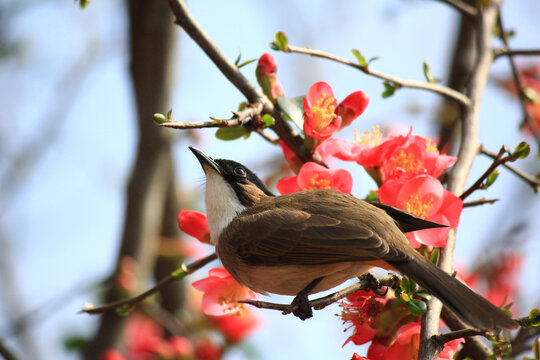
(358, 357)
(407, 344)
(221, 293)
(424, 197)
(194, 223)
(323, 116)
(352, 107)
(320, 107)
(206, 349)
(266, 77)
(236, 327)
(181, 346)
(126, 278)
(111, 354)
(294, 161)
(315, 176)
(143, 338)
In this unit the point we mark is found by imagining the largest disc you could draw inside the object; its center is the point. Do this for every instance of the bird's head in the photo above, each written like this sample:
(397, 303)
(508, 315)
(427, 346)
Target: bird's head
(230, 189)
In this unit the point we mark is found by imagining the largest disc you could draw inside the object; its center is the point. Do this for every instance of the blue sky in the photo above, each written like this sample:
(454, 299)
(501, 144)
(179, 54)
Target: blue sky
(71, 200)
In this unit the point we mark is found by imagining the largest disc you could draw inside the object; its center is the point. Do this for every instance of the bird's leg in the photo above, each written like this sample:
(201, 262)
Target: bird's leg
(301, 301)
(374, 284)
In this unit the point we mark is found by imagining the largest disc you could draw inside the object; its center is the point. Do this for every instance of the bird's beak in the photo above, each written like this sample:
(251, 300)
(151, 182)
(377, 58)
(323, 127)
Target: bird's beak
(206, 161)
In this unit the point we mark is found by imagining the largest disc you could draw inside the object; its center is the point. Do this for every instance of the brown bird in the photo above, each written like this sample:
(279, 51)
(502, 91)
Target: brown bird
(310, 241)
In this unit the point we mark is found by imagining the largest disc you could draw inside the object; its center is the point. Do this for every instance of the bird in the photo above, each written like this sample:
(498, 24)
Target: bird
(314, 240)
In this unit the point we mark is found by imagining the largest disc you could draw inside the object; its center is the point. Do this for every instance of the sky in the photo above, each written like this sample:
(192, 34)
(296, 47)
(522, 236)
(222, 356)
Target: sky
(67, 82)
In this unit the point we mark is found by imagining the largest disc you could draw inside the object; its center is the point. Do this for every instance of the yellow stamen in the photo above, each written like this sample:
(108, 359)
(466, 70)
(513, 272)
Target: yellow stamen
(369, 139)
(417, 206)
(315, 182)
(407, 162)
(323, 112)
(430, 146)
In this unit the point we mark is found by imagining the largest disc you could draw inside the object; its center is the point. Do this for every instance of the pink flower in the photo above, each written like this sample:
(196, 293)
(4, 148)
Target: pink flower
(143, 338)
(424, 197)
(181, 346)
(320, 105)
(322, 114)
(235, 327)
(194, 223)
(358, 357)
(292, 159)
(206, 349)
(221, 293)
(266, 77)
(315, 176)
(352, 107)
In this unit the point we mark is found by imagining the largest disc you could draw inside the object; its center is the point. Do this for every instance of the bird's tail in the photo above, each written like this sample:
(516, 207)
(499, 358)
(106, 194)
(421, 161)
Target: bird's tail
(464, 302)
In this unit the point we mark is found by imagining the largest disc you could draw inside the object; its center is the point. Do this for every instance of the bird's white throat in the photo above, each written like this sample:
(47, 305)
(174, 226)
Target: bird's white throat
(222, 204)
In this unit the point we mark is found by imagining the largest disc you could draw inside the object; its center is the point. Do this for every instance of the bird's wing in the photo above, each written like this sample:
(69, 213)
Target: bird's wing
(290, 236)
(405, 221)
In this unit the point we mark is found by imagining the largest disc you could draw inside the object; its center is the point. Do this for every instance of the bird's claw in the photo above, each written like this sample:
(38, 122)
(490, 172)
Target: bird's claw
(374, 284)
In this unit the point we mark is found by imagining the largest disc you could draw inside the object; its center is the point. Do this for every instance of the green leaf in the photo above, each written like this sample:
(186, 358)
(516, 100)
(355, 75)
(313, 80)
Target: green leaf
(245, 63)
(428, 74)
(293, 108)
(123, 310)
(179, 273)
(75, 343)
(372, 196)
(84, 3)
(389, 89)
(231, 133)
(169, 115)
(408, 285)
(268, 120)
(435, 256)
(534, 318)
(491, 178)
(281, 42)
(361, 59)
(242, 106)
(373, 59)
(521, 151)
(416, 306)
(159, 118)
(424, 296)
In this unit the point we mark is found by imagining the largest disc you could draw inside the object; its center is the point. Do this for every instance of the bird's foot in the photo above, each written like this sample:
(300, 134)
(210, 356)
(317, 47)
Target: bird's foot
(374, 284)
(302, 307)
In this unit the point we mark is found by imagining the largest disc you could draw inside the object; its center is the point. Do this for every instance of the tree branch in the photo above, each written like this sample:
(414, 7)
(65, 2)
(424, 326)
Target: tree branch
(238, 119)
(499, 159)
(532, 181)
(253, 94)
(505, 51)
(436, 88)
(130, 302)
(479, 202)
(392, 281)
(462, 7)
(468, 149)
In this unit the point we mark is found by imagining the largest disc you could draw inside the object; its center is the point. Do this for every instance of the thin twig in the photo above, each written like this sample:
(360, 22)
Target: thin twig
(6, 353)
(176, 275)
(267, 137)
(436, 88)
(479, 202)
(252, 93)
(518, 78)
(392, 281)
(498, 160)
(532, 181)
(238, 118)
(505, 51)
(462, 7)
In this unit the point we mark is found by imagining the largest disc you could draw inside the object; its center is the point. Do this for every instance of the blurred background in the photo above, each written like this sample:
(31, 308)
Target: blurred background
(85, 175)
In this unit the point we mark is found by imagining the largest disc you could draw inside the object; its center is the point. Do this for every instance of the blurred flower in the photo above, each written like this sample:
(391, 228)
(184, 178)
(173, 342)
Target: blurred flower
(194, 223)
(126, 277)
(143, 339)
(266, 77)
(221, 293)
(235, 327)
(206, 349)
(315, 176)
(181, 347)
(425, 197)
(292, 159)
(111, 354)
(358, 357)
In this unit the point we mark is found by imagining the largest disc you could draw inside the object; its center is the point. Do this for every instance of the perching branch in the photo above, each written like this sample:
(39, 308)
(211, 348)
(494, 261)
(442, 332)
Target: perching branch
(436, 88)
(482, 201)
(462, 7)
(129, 303)
(238, 118)
(532, 181)
(252, 93)
(499, 159)
(392, 281)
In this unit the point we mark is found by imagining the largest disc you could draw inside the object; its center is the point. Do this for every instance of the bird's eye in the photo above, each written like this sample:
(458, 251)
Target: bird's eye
(240, 171)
